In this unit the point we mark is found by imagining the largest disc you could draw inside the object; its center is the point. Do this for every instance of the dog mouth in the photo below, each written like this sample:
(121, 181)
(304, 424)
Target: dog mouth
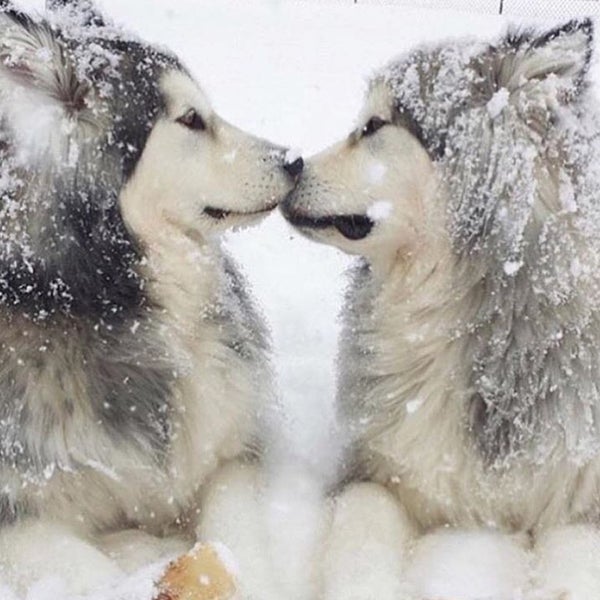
(352, 227)
(219, 214)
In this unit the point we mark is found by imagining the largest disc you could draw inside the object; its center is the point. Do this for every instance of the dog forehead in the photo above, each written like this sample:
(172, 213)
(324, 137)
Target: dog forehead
(181, 91)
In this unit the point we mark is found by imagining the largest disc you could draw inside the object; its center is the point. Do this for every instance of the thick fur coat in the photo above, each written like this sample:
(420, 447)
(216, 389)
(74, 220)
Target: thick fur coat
(468, 382)
(132, 360)
(471, 346)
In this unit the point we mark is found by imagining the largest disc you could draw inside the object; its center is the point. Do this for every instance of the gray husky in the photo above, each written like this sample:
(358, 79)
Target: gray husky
(132, 361)
(470, 363)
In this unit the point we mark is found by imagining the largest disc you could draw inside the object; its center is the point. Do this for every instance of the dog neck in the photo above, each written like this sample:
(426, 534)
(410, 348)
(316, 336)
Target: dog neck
(463, 338)
(180, 266)
(182, 271)
(399, 328)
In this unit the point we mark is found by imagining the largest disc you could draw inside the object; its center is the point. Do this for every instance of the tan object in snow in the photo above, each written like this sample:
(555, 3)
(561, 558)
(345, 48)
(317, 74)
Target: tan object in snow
(198, 575)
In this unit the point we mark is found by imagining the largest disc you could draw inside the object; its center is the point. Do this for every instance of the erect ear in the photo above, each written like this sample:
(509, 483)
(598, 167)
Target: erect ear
(561, 55)
(41, 93)
(85, 10)
(34, 58)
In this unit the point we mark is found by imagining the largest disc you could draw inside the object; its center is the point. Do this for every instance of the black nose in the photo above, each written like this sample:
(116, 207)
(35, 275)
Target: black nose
(295, 167)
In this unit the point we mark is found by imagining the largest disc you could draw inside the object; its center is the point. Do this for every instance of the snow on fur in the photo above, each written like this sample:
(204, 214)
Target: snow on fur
(304, 337)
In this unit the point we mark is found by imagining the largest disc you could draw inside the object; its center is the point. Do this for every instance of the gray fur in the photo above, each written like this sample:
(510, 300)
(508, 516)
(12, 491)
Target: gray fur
(91, 411)
(469, 362)
(526, 330)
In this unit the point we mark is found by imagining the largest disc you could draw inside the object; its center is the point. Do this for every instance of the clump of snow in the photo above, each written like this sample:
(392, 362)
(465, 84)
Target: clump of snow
(484, 565)
(512, 267)
(568, 562)
(292, 155)
(229, 157)
(296, 514)
(566, 194)
(412, 406)
(140, 585)
(375, 172)
(227, 557)
(380, 210)
(6, 593)
(498, 102)
(47, 588)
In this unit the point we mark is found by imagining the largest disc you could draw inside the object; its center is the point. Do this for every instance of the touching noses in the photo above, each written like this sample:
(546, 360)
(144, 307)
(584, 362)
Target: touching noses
(294, 168)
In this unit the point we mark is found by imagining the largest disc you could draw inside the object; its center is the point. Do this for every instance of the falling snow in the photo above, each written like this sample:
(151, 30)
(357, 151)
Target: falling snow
(498, 102)
(307, 96)
(380, 211)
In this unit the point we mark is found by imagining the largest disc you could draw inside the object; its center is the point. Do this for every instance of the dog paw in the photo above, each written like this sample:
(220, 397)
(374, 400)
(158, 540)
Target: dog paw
(199, 575)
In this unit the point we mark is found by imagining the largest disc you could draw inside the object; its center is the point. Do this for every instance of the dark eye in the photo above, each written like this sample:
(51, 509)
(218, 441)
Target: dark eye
(374, 124)
(192, 120)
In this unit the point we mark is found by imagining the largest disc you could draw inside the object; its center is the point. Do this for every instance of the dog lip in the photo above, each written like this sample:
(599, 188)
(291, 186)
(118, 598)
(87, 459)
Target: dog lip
(352, 227)
(216, 213)
(220, 213)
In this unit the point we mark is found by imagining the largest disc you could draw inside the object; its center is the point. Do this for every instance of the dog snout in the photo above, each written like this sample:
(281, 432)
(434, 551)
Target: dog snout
(294, 167)
(290, 207)
(286, 206)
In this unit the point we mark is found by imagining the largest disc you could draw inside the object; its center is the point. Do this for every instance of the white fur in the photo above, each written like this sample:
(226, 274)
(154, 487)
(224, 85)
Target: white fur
(40, 551)
(97, 485)
(235, 516)
(406, 380)
(366, 547)
(182, 171)
(470, 565)
(568, 563)
(32, 81)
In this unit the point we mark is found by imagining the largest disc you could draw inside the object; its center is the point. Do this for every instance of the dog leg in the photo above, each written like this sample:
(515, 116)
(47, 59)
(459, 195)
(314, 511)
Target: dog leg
(33, 551)
(366, 549)
(233, 515)
(469, 565)
(298, 518)
(568, 563)
(266, 538)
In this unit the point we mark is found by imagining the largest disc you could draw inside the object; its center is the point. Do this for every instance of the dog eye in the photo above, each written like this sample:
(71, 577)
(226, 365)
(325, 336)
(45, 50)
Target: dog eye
(192, 120)
(374, 124)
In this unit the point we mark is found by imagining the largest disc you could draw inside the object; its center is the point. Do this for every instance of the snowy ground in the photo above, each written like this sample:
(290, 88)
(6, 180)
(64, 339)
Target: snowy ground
(293, 73)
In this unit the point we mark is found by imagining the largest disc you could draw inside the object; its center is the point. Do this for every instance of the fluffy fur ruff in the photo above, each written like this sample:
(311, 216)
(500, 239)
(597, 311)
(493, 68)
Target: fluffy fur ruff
(132, 361)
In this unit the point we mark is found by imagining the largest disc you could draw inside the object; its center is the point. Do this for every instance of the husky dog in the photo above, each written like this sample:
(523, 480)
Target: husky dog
(132, 361)
(470, 363)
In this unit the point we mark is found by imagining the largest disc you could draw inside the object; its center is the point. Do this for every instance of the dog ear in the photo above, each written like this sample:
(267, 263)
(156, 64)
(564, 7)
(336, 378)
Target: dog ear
(8, 9)
(85, 9)
(561, 55)
(34, 58)
(40, 84)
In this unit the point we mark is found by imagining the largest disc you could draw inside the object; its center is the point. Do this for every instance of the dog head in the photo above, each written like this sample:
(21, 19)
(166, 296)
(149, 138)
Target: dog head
(424, 161)
(101, 135)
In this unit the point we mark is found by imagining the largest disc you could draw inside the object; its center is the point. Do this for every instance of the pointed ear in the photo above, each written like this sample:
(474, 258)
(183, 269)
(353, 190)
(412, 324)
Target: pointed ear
(34, 60)
(41, 95)
(85, 10)
(562, 54)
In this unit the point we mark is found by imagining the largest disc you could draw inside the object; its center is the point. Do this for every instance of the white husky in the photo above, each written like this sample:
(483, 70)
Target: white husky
(470, 367)
(132, 361)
